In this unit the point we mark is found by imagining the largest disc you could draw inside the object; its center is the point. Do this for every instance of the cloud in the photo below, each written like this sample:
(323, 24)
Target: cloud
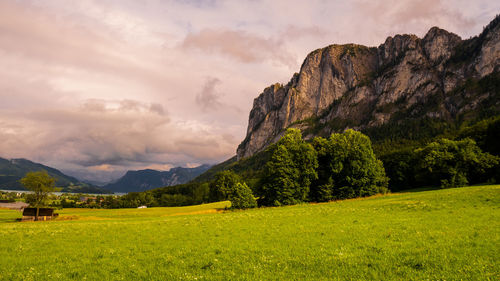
(295, 32)
(209, 98)
(199, 3)
(247, 47)
(106, 136)
(240, 45)
(33, 34)
(402, 16)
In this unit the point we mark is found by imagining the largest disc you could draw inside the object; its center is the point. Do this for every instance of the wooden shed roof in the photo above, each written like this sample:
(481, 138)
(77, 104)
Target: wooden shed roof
(42, 212)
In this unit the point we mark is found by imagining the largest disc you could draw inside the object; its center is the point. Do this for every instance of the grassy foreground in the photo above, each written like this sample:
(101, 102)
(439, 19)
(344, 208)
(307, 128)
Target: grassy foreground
(447, 234)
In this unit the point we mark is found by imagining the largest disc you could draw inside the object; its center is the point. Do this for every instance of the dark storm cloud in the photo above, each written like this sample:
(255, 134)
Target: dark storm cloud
(209, 98)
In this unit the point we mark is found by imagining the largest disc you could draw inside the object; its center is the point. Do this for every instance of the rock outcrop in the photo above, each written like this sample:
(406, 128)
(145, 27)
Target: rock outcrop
(353, 86)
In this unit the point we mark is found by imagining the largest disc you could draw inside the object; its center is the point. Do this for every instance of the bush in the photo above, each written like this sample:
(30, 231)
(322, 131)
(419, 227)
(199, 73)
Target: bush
(241, 197)
(222, 185)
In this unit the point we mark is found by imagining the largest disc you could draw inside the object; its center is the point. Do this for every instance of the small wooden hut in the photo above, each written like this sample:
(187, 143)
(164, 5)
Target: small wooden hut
(29, 214)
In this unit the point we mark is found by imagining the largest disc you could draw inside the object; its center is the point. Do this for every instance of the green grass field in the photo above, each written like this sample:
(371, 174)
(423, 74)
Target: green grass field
(450, 234)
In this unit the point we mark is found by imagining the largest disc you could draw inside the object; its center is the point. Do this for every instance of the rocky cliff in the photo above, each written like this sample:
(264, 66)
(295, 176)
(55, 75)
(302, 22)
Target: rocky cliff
(439, 76)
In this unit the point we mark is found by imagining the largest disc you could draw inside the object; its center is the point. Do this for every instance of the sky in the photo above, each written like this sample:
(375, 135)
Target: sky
(98, 87)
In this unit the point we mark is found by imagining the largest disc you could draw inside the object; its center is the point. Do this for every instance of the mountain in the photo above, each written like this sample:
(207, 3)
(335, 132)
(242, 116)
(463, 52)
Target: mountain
(11, 171)
(142, 180)
(406, 88)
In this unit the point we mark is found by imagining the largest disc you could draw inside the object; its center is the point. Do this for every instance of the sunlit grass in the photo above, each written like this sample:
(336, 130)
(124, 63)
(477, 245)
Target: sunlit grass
(441, 234)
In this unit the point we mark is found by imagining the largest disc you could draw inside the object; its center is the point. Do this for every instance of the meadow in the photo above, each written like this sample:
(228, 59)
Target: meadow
(445, 234)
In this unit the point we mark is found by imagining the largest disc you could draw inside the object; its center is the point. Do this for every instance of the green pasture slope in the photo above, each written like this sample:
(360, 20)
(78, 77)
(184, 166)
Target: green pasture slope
(450, 234)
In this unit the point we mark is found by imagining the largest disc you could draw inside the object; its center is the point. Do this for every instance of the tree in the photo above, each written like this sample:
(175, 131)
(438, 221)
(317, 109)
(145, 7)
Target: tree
(400, 168)
(348, 168)
(241, 197)
(42, 186)
(451, 163)
(289, 173)
(228, 186)
(223, 183)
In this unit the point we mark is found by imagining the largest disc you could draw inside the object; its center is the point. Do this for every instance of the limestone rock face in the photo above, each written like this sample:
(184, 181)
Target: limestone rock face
(439, 43)
(489, 58)
(353, 86)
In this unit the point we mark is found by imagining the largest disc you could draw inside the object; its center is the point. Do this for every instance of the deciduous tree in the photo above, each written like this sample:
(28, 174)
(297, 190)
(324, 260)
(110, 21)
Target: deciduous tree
(222, 185)
(289, 173)
(348, 168)
(241, 197)
(42, 185)
(451, 163)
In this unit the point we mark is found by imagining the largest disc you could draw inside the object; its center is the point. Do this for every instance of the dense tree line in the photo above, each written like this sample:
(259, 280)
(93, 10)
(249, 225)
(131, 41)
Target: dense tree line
(444, 162)
(171, 196)
(469, 156)
(342, 166)
(345, 166)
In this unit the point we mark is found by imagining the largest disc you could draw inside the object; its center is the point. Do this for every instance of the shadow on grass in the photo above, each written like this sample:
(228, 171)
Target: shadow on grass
(9, 220)
(9, 215)
(418, 189)
(429, 188)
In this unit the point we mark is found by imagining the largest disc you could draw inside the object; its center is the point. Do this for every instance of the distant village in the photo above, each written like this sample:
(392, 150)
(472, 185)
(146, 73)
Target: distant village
(16, 200)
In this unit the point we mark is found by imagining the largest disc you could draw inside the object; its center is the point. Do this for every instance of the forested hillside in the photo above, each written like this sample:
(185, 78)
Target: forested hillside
(11, 171)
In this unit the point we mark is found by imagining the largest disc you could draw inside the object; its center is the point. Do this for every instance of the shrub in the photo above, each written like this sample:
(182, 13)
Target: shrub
(222, 185)
(241, 197)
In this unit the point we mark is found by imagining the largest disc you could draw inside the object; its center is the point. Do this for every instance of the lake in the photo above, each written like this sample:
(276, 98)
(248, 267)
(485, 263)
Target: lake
(60, 193)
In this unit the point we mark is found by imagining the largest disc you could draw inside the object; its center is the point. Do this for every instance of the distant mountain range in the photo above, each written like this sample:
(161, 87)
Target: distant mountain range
(11, 171)
(142, 180)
